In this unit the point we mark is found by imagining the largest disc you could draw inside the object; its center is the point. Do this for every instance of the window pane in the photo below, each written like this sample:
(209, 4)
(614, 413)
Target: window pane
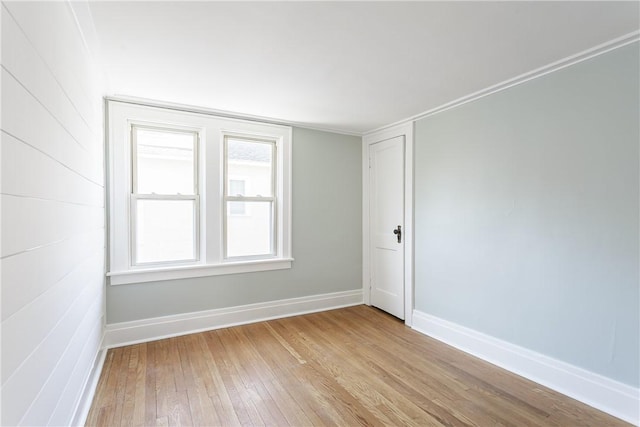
(165, 230)
(252, 233)
(165, 161)
(236, 188)
(253, 161)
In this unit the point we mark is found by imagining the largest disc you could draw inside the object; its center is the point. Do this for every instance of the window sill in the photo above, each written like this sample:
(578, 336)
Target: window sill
(190, 271)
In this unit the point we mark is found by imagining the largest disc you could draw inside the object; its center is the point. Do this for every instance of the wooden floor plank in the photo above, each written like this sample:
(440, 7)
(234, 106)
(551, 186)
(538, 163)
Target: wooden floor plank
(121, 384)
(352, 366)
(234, 410)
(150, 394)
(333, 356)
(138, 410)
(128, 408)
(164, 381)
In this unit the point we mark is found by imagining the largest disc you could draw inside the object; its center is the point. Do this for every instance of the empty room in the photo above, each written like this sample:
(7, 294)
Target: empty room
(320, 213)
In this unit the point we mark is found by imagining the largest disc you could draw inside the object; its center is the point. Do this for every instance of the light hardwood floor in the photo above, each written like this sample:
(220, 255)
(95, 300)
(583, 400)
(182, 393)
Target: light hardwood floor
(347, 367)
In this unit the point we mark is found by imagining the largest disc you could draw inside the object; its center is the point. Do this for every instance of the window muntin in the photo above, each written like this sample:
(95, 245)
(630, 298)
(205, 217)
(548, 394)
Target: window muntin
(252, 235)
(237, 188)
(164, 195)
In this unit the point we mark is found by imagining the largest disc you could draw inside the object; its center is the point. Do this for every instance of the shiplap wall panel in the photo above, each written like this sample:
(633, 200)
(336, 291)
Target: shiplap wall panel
(44, 404)
(67, 186)
(50, 136)
(52, 31)
(53, 245)
(46, 363)
(21, 58)
(37, 215)
(64, 410)
(53, 263)
(23, 341)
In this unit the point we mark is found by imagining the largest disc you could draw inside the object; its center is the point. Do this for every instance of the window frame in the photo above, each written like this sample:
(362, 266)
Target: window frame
(226, 198)
(136, 195)
(209, 167)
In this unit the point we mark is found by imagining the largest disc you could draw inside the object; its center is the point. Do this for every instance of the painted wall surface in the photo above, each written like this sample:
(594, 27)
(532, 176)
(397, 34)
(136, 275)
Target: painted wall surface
(527, 215)
(52, 195)
(327, 236)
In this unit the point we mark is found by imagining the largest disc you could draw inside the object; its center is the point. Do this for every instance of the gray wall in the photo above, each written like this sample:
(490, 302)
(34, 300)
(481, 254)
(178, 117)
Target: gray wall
(527, 215)
(327, 239)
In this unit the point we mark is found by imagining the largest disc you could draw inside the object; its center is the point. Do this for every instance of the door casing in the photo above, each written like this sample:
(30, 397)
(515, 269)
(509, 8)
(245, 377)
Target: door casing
(406, 130)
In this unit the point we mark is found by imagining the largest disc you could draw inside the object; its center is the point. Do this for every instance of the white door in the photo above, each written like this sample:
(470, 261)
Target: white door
(386, 213)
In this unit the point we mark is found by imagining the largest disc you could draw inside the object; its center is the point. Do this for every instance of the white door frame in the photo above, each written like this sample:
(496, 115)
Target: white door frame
(406, 130)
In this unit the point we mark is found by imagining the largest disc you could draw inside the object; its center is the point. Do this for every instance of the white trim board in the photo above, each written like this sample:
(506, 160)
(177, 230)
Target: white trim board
(405, 130)
(139, 331)
(89, 390)
(615, 398)
(522, 78)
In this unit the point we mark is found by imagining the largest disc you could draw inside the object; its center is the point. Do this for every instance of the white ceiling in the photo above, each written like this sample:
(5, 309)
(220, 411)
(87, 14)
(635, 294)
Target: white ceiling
(350, 66)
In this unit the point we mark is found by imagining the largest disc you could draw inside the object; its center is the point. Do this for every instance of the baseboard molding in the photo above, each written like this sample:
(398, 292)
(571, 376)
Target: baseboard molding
(125, 333)
(89, 389)
(617, 399)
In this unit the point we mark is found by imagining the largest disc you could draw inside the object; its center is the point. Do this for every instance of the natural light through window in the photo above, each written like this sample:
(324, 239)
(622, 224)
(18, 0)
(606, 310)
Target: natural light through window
(194, 195)
(236, 188)
(164, 197)
(250, 234)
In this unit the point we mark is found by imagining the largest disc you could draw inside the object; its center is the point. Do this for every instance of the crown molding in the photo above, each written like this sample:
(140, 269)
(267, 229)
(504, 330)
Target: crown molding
(522, 78)
(84, 21)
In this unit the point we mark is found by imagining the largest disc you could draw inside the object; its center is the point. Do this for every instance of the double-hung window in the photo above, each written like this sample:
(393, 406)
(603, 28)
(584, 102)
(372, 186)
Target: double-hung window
(193, 194)
(164, 196)
(250, 234)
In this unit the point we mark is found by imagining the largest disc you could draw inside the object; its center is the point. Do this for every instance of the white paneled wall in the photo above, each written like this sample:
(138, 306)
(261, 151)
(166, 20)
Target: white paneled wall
(52, 204)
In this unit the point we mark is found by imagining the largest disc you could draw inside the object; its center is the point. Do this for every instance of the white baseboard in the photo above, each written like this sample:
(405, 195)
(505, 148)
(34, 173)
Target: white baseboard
(89, 389)
(615, 398)
(125, 333)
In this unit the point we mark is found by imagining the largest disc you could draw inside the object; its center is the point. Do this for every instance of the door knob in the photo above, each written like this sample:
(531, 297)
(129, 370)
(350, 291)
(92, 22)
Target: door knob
(398, 232)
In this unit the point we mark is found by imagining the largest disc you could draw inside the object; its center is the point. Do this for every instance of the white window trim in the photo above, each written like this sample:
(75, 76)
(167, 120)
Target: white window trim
(211, 130)
(198, 270)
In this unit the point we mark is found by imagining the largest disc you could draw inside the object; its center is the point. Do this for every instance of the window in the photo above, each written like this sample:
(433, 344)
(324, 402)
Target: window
(192, 194)
(251, 235)
(164, 195)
